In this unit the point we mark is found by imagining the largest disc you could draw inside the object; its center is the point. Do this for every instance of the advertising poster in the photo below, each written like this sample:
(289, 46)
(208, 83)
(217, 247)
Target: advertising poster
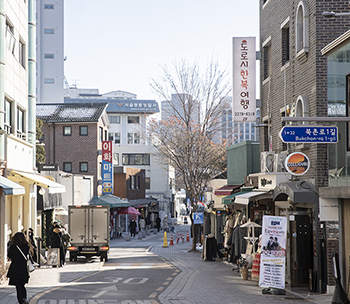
(273, 254)
(244, 80)
(107, 167)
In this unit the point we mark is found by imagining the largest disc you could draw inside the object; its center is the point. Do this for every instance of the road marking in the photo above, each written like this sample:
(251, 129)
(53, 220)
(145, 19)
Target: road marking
(81, 301)
(160, 289)
(104, 290)
(152, 295)
(130, 281)
(137, 265)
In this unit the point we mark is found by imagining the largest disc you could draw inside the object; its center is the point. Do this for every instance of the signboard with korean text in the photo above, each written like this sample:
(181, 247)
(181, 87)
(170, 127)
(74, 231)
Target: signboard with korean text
(273, 252)
(309, 134)
(244, 81)
(107, 167)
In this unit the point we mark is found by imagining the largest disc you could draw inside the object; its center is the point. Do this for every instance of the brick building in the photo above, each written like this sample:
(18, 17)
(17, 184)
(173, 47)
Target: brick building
(294, 84)
(73, 135)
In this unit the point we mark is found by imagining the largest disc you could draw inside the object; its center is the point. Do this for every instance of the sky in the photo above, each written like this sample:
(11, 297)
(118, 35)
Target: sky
(115, 45)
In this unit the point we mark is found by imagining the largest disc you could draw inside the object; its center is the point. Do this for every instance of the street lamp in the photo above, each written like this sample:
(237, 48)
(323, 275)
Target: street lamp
(333, 14)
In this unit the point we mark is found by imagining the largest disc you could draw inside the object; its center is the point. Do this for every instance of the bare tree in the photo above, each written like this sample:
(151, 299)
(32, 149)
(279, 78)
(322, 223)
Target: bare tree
(185, 139)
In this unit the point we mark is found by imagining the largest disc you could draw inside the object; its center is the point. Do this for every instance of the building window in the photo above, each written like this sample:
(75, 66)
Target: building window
(130, 138)
(67, 167)
(49, 31)
(67, 131)
(110, 136)
(114, 119)
(20, 123)
(101, 134)
(116, 159)
(147, 183)
(49, 80)
(49, 56)
(106, 134)
(301, 107)
(117, 138)
(10, 37)
(267, 61)
(133, 119)
(83, 130)
(48, 6)
(8, 116)
(302, 28)
(285, 43)
(136, 138)
(22, 53)
(83, 166)
(136, 159)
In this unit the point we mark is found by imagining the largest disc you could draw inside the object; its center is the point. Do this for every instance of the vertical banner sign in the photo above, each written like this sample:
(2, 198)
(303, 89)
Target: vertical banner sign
(244, 81)
(107, 167)
(273, 254)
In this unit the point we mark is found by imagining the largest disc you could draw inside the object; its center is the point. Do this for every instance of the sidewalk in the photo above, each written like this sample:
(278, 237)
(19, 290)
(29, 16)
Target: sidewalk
(198, 281)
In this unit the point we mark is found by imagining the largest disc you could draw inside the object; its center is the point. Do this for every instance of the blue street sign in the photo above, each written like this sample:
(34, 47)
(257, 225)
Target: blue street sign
(198, 217)
(309, 134)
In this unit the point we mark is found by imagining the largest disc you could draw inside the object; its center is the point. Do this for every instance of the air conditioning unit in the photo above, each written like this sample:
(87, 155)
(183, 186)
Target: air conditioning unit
(267, 161)
(278, 162)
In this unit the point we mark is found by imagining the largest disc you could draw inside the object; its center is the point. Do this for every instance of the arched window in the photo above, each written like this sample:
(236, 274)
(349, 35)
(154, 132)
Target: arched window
(302, 28)
(302, 107)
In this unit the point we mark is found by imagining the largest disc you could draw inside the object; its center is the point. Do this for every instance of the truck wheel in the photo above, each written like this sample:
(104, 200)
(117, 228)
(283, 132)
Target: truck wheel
(101, 258)
(71, 257)
(106, 257)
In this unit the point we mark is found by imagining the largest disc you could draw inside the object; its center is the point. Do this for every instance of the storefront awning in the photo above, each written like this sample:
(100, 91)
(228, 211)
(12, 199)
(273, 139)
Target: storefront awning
(37, 179)
(245, 198)
(109, 200)
(142, 201)
(230, 199)
(226, 190)
(10, 187)
(297, 191)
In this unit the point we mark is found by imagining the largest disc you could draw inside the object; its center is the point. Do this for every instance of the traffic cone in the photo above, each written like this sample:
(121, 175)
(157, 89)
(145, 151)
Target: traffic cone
(171, 240)
(188, 237)
(165, 243)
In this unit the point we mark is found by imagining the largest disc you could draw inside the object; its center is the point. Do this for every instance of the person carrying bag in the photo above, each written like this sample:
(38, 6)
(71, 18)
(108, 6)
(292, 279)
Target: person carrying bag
(30, 266)
(18, 272)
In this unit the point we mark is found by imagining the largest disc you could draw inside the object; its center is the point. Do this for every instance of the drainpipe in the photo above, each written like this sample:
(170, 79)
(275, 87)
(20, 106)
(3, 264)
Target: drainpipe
(32, 76)
(2, 76)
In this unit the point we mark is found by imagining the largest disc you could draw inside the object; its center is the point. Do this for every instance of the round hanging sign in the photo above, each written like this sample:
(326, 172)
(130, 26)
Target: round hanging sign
(297, 163)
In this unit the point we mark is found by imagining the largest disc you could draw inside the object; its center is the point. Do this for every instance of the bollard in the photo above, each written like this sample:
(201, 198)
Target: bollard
(171, 240)
(165, 242)
(128, 237)
(139, 235)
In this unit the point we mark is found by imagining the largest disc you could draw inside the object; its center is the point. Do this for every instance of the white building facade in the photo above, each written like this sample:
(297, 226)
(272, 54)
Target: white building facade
(50, 51)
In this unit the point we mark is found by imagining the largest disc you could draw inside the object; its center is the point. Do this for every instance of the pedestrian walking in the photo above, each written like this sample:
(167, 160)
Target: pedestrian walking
(18, 272)
(158, 221)
(142, 224)
(132, 227)
(32, 245)
(66, 240)
(56, 242)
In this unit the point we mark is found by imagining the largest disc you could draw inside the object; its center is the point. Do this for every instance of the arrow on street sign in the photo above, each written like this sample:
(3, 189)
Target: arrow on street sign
(309, 134)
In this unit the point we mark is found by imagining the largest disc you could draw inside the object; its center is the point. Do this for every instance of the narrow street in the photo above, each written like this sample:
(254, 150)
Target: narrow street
(144, 272)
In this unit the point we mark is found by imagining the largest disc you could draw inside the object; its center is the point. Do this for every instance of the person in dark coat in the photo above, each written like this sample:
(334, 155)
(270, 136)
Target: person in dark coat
(18, 272)
(56, 242)
(158, 221)
(132, 227)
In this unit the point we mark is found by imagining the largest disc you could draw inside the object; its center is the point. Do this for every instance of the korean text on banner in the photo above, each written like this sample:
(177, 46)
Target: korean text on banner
(273, 254)
(107, 167)
(244, 82)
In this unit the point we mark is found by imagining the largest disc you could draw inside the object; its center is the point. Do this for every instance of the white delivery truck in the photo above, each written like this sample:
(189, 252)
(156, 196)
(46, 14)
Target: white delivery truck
(88, 227)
